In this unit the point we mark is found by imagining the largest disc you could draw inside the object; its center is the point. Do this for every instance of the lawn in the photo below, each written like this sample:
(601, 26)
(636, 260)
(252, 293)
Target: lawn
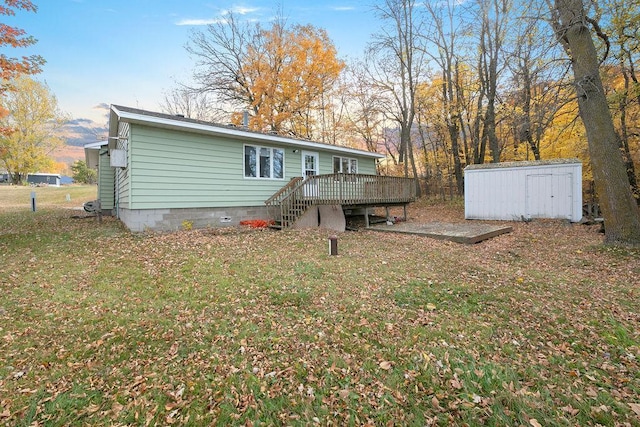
(99, 326)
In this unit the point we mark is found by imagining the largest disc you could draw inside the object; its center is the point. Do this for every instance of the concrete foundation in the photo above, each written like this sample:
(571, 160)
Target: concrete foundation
(176, 219)
(309, 219)
(332, 217)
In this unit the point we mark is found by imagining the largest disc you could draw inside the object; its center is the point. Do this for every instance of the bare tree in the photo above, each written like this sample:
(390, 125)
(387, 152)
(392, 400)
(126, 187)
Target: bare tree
(283, 76)
(622, 25)
(396, 67)
(190, 103)
(365, 106)
(443, 34)
(493, 18)
(220, 52)
(573, 28)
(538, 79)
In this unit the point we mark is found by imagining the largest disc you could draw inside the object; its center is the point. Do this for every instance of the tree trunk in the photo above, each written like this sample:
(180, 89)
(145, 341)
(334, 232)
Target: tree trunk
(621, 215)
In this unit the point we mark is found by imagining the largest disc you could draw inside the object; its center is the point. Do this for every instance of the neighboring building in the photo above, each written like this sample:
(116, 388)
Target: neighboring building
(52, 179)
(524, 190)
(44, 179)
(159, 171)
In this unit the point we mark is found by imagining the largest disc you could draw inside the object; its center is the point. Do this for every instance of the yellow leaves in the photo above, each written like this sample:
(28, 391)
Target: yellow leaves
(35, 118)
(287, 74)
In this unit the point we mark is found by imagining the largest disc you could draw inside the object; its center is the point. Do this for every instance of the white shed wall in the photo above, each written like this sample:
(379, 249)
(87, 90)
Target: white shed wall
(530, 190)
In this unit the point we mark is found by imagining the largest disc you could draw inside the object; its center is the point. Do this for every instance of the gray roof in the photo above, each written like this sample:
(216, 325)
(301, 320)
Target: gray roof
(530, 163)
(136, 115)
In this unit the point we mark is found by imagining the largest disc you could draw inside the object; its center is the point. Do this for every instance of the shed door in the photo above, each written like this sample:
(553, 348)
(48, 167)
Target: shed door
(549, 196)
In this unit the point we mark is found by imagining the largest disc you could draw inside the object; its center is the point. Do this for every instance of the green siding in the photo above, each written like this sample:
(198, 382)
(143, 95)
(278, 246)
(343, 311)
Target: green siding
(106, 181)
(172, 169)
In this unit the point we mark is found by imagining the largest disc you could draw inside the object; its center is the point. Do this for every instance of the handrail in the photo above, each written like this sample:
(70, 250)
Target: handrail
(286, 188)
(340, 189)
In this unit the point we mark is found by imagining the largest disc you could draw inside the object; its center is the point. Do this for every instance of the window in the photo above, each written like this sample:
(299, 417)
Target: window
(263, 162)
(345, 165)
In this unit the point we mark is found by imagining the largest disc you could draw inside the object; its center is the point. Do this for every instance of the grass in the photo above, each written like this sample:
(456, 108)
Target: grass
(99, 326)
(18, 198)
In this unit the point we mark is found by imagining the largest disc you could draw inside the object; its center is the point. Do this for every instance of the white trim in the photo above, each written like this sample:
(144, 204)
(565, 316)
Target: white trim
(234, 133)
(341, 158)
(258, 148)
(316, 155)
(95, 145)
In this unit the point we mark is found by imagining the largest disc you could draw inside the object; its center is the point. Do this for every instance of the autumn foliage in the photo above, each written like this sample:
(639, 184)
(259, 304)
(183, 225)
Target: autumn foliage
(10, 67)
(14, 37)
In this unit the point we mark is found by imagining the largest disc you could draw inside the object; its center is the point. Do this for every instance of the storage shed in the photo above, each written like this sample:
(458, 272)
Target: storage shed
(518, 191)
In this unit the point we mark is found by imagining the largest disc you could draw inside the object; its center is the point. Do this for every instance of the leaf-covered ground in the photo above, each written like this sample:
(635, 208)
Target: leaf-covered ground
(257, 327)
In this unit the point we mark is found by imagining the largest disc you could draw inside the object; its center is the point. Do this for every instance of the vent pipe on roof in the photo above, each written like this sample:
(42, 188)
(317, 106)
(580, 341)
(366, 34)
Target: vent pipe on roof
(245, 119)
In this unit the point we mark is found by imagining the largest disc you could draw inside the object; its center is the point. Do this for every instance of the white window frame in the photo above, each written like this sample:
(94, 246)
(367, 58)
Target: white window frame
(342, 158)
(258, 149)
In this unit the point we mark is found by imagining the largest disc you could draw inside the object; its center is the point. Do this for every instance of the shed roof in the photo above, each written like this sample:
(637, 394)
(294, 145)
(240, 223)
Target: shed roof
(523, 164)
(168, 121)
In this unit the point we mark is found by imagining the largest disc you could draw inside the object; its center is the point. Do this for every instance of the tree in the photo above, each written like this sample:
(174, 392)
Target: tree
(34, 120)
(190, 103)
(494, 19)
(573, 28)
(10, 68)
(625, 98)
(365, 105)
(83, 174)
(444, 35)
(538, 78)
(281, 76)
(397, 64)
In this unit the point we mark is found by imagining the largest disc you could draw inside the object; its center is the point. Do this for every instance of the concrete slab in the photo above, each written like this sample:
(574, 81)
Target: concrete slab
(309, 219)
(332, 217)
(466, 232)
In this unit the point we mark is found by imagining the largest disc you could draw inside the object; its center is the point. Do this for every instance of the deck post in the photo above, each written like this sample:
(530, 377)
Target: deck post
(366, 217)
(404, 208)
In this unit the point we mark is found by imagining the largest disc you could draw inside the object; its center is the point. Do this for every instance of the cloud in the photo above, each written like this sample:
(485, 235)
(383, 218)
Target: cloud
(197, 22)
(241, 10)
(81, 131)
(80, 122)
(101, 106)
(236, 10)
(343, 8)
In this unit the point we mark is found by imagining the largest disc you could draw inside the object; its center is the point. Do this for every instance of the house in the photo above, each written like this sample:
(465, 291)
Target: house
(524, 190)
(161, 172)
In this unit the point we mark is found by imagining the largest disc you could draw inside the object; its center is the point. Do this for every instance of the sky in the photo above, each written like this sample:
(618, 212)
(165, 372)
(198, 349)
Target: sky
(131, 52)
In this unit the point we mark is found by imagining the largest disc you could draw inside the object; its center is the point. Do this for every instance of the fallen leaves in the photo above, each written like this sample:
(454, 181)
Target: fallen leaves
(386, 365)
(263, 327)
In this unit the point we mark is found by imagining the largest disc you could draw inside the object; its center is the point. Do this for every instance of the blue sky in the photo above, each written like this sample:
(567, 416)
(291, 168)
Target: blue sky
(129, 52)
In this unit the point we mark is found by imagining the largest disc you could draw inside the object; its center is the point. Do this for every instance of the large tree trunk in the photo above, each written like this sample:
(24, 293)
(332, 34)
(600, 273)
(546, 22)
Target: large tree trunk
(621, 215)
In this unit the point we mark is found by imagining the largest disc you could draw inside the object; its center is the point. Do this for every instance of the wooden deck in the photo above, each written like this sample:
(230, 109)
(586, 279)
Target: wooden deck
(347, 190)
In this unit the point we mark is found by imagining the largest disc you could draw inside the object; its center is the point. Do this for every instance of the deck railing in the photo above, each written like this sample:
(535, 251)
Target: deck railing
(339, 189)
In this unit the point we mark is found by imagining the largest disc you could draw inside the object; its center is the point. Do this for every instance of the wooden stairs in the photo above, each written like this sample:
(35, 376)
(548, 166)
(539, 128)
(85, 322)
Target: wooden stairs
(293, 200)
